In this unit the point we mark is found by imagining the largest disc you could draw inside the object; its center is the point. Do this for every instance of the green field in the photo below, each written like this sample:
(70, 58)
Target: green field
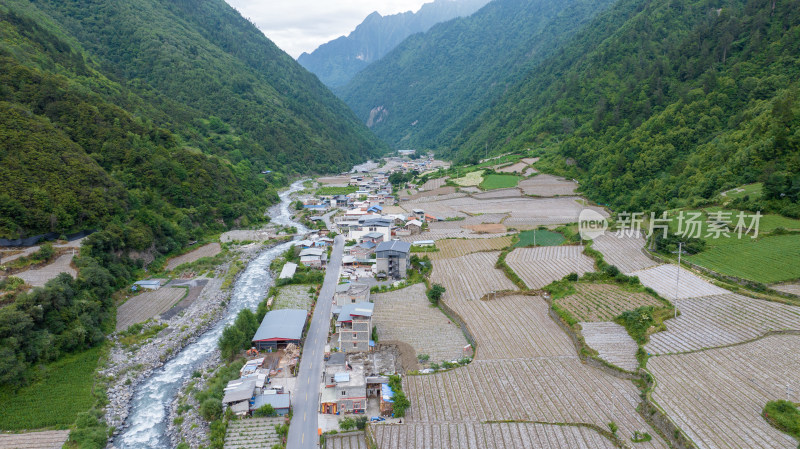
(751, 190)
(331, 190)
(766, 260)
(543, 238)
(495, 181)
(767, 223)
(55, 398)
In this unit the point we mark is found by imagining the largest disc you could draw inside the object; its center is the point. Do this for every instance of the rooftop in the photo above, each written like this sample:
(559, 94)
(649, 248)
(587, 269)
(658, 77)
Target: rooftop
(277, 401)
(288, 270)
(394, 245)
(357, 309)
(285, 324)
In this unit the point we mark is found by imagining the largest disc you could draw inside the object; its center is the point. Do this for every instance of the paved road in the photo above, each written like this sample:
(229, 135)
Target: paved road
(303, 429)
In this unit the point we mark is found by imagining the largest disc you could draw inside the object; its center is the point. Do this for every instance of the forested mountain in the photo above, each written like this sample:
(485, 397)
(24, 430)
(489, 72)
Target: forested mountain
(429, 88)
(163, 106)
(336, 62)
(657, 103)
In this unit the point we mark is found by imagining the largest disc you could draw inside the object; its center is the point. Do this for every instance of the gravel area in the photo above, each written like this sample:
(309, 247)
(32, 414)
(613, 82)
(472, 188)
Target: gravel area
(37, 277)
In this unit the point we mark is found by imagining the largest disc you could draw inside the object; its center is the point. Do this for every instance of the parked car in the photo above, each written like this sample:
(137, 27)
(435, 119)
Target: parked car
(377, 419)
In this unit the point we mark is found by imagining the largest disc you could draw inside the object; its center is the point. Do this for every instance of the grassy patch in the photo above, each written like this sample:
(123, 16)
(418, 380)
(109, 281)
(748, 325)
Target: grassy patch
(784, 416)
(750, 190)
(542, 237)
(496, 181)
(330, 190)
(60, 391)
(766, 260)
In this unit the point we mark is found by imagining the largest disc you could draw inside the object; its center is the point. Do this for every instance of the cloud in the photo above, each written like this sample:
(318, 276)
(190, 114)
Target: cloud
(303, 25)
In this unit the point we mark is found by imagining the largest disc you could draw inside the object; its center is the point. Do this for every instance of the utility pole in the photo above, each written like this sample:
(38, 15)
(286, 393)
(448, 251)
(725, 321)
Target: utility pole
(678, 277)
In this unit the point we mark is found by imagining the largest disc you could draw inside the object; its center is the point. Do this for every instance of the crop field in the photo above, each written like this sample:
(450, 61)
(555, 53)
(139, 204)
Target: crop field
(51, 439)
(613, 344)
(293, 297)
(55, 399)
(451, 248)
(530, 160)
(548, 185)
(554, 389)
(663, 279)
(470, 179)
(37, 277)
(496, 181)
(791, 288)
(429, 332)
(487, 228)
(252, 433)
(349, 440)
(475, 435)
(542, 265)
(433, 193)
(498, 193)
(623, 251)
(720, 320)
(210, 250)
(539, 237)
(766, 260)
(466, 221)
(434, 183)
(717, 396)
(519, 167)
(603, 302)
(515, 327)
(470, 277)
(334, 180)
(147, 305)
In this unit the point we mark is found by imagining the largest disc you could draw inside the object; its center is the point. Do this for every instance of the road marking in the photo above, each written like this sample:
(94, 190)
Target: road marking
(303, 440)
(304, 416)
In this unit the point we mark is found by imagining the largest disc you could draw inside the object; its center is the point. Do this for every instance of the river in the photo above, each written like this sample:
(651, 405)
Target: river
(146, 425)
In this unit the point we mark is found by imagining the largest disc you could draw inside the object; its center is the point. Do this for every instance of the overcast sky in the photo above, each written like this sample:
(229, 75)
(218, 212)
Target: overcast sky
(303, 25)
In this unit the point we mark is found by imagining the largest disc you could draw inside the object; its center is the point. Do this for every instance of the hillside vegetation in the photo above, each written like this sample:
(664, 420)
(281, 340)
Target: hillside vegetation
(425, 91)
(657, 103)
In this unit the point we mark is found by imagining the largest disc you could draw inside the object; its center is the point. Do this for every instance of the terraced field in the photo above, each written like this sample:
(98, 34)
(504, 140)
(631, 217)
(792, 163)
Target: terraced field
(717, 396)
(147, 305)
(470, 277)
(252, 433)
(624, 252)
(663, 279)
(349, 440)
(430, 193)
(498, 193)
(720, 320)
(37, 277)
(548, 185)
(554, 389)
(542, 265)
(434, 183)
(530, 160)
(511, 327)
(518, 167)
(470, 179)
(613, 344)
(473, 435)
(603, 302)
(293, 297)
(52, 439)
(766, 260)
(210, 250)
(407, 315)
(451, 248)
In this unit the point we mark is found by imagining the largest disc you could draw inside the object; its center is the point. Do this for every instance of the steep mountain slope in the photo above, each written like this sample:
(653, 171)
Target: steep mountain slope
(424, 92)
(656, 103)
(111, 109)
(205, 55)
(336, 62)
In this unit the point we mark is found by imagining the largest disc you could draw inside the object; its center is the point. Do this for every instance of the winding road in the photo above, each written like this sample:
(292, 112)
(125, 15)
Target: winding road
(303, 428)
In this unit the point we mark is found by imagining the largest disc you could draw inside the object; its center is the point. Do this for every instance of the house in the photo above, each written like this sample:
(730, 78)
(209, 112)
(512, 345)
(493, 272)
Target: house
(279, 328)
(238, 394)
(367, 225)
(281, 403)
(323, 242)
(419, 213)
(354, 326)
(363, 250)
(374, 385)
(375, 209)
(314, 257)
(415, 226)
(430, 218)
(350, 293)
(345, 387)
(372, 237)
(393, 258)
(288, 270)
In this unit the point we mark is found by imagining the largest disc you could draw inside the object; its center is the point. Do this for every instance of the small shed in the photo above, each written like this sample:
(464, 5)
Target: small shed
(279, 328)
(281, 403)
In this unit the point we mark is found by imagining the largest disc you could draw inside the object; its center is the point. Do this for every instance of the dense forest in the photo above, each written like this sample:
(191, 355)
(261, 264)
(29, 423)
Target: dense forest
(429, 88)
(663, 104)
(152, 122)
